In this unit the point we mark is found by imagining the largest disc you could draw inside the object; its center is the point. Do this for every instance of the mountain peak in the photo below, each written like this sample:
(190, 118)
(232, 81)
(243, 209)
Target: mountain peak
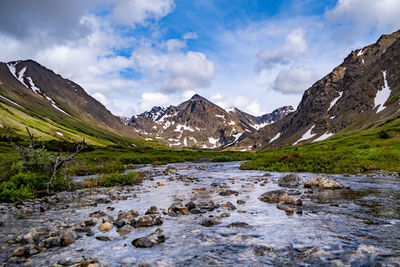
(197, 97)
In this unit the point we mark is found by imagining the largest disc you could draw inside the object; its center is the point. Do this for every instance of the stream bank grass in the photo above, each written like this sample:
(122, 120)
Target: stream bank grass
(367, 150)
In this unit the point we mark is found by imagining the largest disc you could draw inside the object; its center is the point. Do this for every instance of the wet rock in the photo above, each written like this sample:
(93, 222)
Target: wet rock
(261, 250)
(124, 230)
(324, 182)
(70, 261)
(152, 210)
(225, 215)
(197, 231)
(20, 252)
(365, 250)
(290, 180)
(287, 199)
(267, 174)
(229, 206)
(146, 221)
(84, 229)
(54, 241)
(272, 196)
(191, 205)
(149, 241)
(90, 222)
(241, 211)
(103, 238)
(238, 225)
(177, 208)
(91, 233)
(209, 222)
(67, 237)
(98, 213)
(241, 202)
(285, 207)
(228, 192)
(64, 197)
(105, 227)
(197, 211)
(208, 206)
(299, 202)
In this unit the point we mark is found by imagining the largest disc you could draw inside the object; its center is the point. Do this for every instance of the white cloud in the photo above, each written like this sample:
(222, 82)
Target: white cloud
(173, 45)
(295, 80)
(132, 12)
(101, 98)
(380, 14)
(149, 100)
(294, 44)
(190, 35)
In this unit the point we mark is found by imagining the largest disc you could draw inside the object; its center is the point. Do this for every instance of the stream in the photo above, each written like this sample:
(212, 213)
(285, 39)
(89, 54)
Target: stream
(358, 226)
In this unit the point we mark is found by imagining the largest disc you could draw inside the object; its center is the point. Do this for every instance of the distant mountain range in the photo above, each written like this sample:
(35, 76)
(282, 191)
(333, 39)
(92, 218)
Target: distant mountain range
(361, 92)
(200, 123)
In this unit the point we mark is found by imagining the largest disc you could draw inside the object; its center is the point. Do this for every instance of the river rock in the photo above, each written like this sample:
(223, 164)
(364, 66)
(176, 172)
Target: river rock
(208, 206)
(149, 241)
(67, 237)
(20, 252)
(240, 202)
(152, 210)
(324, 182)
(287, 208)
(190, 205)
(90, 222)
(261, 250)
(98, 213)
(272, 196)
(105, 227)
(103, 238)
(54, 241)
(229, 206)
(238, 225)
(209, 222)
(146, 221)
(178, 208)
(228, 192)
(124, 230)
(290, 180)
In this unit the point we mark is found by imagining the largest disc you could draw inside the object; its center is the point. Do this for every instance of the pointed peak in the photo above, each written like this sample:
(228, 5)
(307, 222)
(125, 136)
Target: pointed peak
(196, 96)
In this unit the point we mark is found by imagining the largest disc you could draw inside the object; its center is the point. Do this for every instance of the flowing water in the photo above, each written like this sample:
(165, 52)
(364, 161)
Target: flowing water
(358, 226)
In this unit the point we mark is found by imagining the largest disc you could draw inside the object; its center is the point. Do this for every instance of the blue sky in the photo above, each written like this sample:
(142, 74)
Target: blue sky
(256, 55)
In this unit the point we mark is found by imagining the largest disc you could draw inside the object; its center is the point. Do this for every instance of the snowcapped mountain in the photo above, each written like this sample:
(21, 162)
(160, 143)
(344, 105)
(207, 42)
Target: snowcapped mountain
(200, 123)
(361, 92)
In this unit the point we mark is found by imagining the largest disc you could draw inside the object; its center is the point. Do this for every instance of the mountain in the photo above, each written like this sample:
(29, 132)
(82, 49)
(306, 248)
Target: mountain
(361, 92)
(264, 120)
(53, 107)
(200, 123)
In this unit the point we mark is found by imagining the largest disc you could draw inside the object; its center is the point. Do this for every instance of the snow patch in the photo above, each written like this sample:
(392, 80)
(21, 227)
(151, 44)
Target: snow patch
(220, 116)
(193, 139)
(19, 76)
(33, 86)
(360, 53)
(12, 102)
(55, 106)
(259, 126)
(181, 128)
(383, 95)
(231, 123)
(323, 137)
(148, 139)
(185, 141)
(275, 137)
(305, 136)
(59, 134)
(335, 100)
(213, 141)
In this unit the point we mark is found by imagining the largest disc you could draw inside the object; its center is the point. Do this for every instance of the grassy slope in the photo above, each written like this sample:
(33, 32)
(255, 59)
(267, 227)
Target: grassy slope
(376, 148)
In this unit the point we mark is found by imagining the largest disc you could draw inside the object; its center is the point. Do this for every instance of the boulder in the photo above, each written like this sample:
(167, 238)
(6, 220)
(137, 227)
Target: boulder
(105, 227)
(209, 222)
(67, 237)
(152, 210)
(146, 221)
(272, 196)
(228, 192)
(324, 182)
(149, 241)
(177, 208)
(229, 206)
(290, 180)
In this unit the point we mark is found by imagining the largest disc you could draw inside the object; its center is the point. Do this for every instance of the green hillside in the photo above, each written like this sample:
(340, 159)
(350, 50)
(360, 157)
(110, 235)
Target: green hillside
(376, 147)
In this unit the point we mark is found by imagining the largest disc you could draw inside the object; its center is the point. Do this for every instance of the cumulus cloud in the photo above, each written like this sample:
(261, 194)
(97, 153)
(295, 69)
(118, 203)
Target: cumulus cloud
(294, 80)
(174, 71)
(294, 44)
(139, 12)
(149, 100)
(380, 14)
(101, 98)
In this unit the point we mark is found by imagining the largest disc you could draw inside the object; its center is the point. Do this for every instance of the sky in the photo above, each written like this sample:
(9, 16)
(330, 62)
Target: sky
(131, 55)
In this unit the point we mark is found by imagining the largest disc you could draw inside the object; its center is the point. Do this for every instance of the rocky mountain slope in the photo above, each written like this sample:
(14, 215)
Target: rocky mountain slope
(364, 90)
(200, 123)
(33, 95)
